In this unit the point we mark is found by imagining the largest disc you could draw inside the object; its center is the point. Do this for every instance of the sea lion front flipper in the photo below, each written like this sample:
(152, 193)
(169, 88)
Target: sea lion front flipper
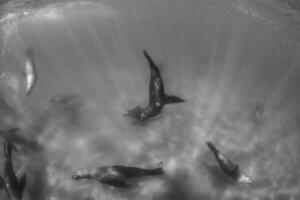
(136, 108)
(132, 111)
(114, 182)
(22, 182)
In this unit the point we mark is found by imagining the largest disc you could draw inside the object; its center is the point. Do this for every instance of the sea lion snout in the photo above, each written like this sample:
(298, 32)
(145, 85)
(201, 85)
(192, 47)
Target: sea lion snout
(75, 177)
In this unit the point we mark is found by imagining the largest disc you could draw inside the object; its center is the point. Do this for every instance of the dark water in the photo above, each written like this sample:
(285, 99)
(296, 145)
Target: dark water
(235, 62)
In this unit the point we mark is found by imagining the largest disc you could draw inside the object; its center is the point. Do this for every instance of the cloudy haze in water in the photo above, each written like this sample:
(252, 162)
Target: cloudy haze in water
(236, 63)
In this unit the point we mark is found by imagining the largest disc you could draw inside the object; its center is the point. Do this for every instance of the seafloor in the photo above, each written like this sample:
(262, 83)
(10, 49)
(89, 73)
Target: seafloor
(237, 64)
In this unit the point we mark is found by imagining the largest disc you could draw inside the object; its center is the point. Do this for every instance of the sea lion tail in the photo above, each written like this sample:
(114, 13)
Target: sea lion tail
(156, 171)
(212, 147)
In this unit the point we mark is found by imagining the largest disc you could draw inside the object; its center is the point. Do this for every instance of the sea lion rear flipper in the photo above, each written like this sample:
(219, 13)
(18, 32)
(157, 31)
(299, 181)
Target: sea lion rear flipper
(160, 164)
(22, 182)
(156, 171)
(172, 99)
(132, 111)
(136, 108)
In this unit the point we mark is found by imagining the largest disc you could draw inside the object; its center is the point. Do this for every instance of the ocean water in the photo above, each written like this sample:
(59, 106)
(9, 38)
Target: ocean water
(236, 63)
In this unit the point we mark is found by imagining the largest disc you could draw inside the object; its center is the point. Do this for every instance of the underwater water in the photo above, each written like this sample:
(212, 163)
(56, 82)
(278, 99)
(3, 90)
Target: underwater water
(236, 63)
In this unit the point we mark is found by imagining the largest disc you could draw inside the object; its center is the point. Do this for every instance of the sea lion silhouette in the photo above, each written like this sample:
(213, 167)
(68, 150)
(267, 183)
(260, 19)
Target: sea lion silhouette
(116, 175)
(157, 96)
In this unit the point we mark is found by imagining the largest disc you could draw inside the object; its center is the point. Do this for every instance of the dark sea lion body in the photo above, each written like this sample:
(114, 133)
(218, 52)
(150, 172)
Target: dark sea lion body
(13, 185)
(229, 168)
(116, 175)
(157, 96)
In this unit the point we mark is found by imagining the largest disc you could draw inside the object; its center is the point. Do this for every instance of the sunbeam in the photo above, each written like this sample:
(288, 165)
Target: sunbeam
(235, 63)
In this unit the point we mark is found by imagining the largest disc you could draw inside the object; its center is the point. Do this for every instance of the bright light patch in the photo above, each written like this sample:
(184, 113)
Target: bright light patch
(152, 187)
(51, 14)
(80, 142)
(135, 147)
(48, 13)
(26, 12)
(244, 179)
(171, 165)
(10, 81)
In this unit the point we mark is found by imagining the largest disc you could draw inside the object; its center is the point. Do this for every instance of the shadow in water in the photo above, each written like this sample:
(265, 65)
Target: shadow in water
(37, 184)
(179, 187)
(219, 179)
(146, 122)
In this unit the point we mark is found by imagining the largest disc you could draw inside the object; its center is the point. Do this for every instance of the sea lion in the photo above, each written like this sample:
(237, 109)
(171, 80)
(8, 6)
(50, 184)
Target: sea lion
(157, 96)
(13, 186)
(230, 168)
(30, 72)
(13, 136)
(116, 175)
